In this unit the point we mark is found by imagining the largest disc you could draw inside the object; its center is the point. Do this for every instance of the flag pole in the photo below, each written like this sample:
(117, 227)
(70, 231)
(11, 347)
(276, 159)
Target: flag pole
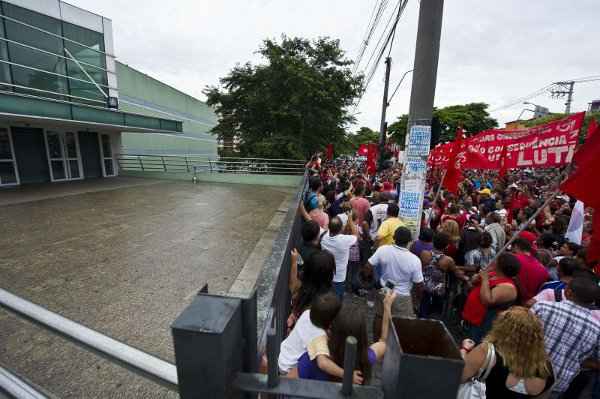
(437, 195)
(535, 215)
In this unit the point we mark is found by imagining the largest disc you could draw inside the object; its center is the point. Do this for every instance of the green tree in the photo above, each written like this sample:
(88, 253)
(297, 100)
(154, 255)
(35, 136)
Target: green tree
(472, 117)
(292, 105)
(364, 135)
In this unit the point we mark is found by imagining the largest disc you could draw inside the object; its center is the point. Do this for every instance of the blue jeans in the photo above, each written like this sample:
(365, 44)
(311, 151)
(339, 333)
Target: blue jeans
(339, 289)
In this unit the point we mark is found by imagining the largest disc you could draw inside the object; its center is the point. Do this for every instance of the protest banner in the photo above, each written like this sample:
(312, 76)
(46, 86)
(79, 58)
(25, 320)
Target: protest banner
(546, 146)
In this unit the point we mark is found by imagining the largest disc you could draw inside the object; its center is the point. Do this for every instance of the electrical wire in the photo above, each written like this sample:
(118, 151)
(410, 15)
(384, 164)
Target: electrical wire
(374, 20)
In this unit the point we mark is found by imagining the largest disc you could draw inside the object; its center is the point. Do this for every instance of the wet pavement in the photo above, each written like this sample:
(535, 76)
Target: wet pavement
(124, 259)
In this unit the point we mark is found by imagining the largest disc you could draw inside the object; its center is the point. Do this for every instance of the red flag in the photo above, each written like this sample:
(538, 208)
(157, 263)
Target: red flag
(593, 127)
(372, 159)
(363, 150)
(453, 174)
(503, 167)
(593, 253)
(330, 151)
(581, 185)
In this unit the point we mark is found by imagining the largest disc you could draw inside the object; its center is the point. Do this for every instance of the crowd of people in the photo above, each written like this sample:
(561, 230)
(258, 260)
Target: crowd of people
(528, 310)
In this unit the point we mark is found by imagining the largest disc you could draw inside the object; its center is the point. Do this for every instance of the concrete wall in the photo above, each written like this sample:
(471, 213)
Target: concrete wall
(262, 180)
(142, 94)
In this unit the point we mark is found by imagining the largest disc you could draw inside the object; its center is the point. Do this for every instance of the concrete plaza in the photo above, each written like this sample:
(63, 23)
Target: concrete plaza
(123, 256)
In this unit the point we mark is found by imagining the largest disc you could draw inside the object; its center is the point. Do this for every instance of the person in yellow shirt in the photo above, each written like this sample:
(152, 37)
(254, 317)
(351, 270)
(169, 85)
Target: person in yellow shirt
(385, 234)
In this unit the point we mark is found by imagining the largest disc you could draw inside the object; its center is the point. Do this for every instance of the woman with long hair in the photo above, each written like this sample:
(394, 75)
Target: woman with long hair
(521, 368)
(317, 278)
(351, 321)
(493, 292)
(452, 229)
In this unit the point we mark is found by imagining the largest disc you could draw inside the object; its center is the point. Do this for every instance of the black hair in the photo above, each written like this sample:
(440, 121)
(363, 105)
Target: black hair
(323, 309)
(426, 234)
(508, 264)
(547, 240)
(402, 236)
(441, 241)
(351, 321)
(486, 240)
(317, 278)
(573, 247)
(522, 244)
(314, 183)
(310, 231)
(567, 266)
(585, 290)
(393, 210)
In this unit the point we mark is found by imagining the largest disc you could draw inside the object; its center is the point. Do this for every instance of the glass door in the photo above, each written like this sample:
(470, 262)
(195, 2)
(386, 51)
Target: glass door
(9, 176)
(64, 157)
(108, 162)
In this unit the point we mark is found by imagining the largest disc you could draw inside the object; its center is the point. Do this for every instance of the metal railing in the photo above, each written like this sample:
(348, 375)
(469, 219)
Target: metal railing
(131, 358)
(15, 387)
(199, 164)
(272, 330)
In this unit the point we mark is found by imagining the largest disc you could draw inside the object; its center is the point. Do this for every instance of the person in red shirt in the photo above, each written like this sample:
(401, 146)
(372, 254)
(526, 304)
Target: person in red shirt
(532, 274)
(360, 204)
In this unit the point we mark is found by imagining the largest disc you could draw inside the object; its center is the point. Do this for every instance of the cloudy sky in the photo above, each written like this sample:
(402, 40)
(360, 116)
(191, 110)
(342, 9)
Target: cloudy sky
(491, 51)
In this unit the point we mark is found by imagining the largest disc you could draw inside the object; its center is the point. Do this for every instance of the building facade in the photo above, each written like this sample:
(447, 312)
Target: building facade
(61, 118)
(146, 95)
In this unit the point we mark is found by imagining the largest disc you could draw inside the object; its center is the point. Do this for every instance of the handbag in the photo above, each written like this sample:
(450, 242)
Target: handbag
(475, 387)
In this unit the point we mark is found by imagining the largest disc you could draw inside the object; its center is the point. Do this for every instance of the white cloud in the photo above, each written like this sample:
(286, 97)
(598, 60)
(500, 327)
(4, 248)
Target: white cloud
(491, 51)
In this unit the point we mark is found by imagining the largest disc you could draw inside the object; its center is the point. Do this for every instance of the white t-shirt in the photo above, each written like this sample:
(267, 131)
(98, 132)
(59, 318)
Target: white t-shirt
(339, 246)
(379, 213)
(399, 266)
(344, 218)
(296, 343)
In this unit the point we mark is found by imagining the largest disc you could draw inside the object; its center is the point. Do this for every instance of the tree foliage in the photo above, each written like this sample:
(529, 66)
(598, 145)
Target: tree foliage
(473, 118)
(292, 105)
(364, 135)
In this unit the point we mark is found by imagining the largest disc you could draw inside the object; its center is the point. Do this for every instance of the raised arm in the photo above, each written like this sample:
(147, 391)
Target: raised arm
(294, 283)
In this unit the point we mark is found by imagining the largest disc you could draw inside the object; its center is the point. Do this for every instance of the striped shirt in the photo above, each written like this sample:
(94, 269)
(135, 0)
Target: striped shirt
(571, 335)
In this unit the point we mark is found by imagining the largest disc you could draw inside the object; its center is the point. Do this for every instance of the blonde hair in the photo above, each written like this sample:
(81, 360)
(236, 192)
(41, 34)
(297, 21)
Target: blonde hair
(451, 228)
(518, 336)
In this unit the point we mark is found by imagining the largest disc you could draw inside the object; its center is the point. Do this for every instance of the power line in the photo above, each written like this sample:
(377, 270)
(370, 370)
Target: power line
(544, 90)
(371, 27)
(388, 38)
(398, 86)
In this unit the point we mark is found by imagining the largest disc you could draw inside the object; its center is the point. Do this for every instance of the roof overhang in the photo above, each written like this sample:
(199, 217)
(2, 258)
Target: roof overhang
(34, 111)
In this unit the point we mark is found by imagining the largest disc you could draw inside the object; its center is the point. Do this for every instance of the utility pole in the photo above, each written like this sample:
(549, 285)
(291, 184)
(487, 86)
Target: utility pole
(418, 137)
(383, 126)
(567, 90)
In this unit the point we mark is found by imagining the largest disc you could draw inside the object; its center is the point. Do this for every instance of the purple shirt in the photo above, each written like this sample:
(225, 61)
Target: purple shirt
(310, 370)
(420, 246)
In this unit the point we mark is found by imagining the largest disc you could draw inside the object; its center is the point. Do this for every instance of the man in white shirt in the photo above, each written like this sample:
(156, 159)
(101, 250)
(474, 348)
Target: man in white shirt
(379, 212)
(395, 264)
(339, 245)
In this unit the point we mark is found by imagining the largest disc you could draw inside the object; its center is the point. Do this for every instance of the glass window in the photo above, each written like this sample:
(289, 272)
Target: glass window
(4, 68)
(85, 54)
(5, 149)
(71, 145)
(108, 167)
(7, 173)
(30, 36)
(98, 75)
(88, 38)
(85, 36)
(39, 80)
(58, 170)
(74, 169)
(54, 146)
(106, 150)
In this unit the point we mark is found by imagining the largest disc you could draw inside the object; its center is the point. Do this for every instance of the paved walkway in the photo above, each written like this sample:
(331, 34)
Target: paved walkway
(124, 257)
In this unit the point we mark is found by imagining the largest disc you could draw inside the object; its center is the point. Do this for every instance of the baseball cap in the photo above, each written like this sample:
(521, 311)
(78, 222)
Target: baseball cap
(486, 191)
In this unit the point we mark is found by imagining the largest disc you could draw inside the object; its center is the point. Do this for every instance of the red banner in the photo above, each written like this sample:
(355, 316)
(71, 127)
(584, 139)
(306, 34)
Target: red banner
(329, 152)
(544, 146)
(372, 159)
